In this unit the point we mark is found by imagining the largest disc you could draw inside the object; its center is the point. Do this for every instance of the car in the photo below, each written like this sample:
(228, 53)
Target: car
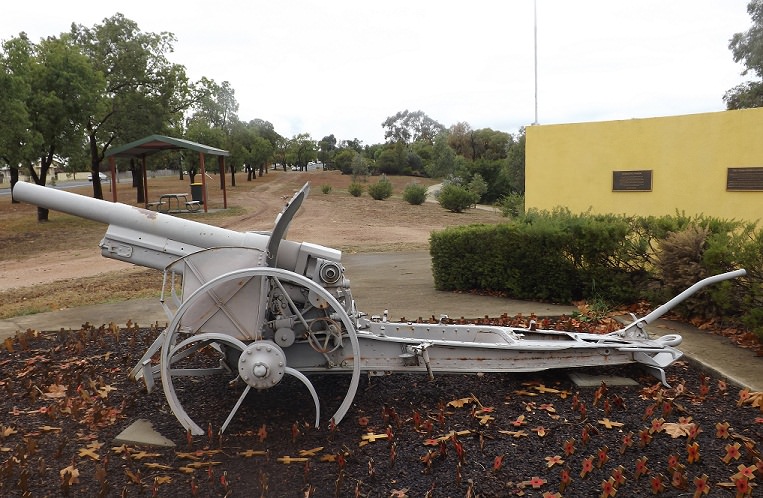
(101, 176)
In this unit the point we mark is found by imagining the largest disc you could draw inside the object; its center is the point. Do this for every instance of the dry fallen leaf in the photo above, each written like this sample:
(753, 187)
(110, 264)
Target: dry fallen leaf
(677, 429)
(55, 391)
(7, 431)
(459, 403)
(69, 475)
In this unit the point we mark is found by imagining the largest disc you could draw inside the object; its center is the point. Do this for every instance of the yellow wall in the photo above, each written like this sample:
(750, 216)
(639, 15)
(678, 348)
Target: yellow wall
(571, 165)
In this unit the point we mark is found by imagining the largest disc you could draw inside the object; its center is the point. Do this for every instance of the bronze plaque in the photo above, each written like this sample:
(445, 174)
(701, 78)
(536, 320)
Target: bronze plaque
(744, 179)
(639, 180)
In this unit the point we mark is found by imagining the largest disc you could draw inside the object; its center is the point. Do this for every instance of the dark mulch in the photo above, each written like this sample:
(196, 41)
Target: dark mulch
(66, 396)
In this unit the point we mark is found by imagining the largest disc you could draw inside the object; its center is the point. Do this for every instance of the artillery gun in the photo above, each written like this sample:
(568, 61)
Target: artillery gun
(256, 307)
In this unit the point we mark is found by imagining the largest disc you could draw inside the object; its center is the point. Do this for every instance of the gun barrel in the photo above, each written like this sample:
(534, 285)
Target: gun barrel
(152, 239)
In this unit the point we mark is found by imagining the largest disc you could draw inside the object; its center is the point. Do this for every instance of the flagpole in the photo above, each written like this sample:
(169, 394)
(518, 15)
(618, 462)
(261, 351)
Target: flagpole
(535, 50)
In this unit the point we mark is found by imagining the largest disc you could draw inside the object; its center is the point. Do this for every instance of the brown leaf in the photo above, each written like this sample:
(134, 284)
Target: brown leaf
(69, 475)
(677, 429)
(459, 403)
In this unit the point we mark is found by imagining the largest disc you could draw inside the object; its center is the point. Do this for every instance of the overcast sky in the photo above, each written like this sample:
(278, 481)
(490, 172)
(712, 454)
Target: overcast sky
(344, 66)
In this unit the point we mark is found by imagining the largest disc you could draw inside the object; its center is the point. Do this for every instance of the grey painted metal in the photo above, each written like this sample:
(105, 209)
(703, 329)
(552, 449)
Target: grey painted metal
(169, 350)
(272, 307)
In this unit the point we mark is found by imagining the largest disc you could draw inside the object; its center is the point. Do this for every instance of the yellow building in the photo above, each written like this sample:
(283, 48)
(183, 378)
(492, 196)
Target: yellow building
(709, 164)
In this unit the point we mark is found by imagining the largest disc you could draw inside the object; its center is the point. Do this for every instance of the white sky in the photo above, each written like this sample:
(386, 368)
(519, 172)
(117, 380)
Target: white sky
(344, 66)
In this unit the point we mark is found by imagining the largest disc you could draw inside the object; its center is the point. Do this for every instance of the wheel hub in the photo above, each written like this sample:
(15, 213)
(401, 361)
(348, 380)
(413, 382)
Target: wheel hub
(262, 364)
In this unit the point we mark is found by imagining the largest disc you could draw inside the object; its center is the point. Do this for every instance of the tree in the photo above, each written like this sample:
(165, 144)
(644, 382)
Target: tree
(443, 158)
(460, 139)
(143, 94)
(407, 127)
(344, 160)
(515, 164)
(301, 150)
(354, 144)
(747, 48)
(18, 140)
(61, 86)
(217, 104)
(327, 150)
(265, 130)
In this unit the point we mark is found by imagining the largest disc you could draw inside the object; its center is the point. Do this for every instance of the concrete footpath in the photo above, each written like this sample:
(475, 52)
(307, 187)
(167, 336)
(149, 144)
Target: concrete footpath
(402, 283)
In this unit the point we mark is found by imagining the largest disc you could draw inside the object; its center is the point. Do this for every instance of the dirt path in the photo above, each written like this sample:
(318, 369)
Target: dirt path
(62, 265)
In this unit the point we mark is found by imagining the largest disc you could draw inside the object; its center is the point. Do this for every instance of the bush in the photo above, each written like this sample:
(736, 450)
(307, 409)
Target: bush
(415, 194)
(326, 189)
(355, 189)
(512, 205)
(380, 190)
(560, 256)
(456, 198)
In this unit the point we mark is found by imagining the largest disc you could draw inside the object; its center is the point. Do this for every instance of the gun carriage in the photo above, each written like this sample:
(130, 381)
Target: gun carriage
(267, 307)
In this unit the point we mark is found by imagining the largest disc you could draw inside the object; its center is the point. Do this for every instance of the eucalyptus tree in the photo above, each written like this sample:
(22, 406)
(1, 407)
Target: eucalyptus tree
(144, 93)
(265, 152)
(747, 48)
(515, 164)
(327, 150)
(250, 148)
(217, 109)
(443, 161)
(17, 137)
(408, 127)
(301, 150)
(199, 130)
(60, 86)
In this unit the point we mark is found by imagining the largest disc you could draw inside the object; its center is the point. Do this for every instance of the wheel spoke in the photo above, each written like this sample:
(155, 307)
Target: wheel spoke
(235, 409)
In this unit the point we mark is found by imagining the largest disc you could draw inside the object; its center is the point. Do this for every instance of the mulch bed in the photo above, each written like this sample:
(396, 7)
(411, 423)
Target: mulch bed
(66, 396)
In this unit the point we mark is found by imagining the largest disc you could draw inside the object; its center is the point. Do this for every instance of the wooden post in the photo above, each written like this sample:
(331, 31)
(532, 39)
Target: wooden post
(145, 178)
(221, 166)
(203, 180)
(113, 168)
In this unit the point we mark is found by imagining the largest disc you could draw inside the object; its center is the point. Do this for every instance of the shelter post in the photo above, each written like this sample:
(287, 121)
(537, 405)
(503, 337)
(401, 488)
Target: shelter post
(113, 168)
(145, 178)
(221, 167)
(203, 180)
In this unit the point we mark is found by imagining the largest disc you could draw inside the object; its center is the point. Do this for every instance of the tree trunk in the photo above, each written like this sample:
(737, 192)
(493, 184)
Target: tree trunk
(14, 181)
(42, 214)
(95, 168)
(232, 175)
(137, 181)
(96, 175)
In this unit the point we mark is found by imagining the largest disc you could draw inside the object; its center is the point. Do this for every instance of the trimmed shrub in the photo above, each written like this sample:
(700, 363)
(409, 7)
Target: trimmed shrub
(355, 189)
(557, 256)
(415, 194)
(380, 190)
(455, 198)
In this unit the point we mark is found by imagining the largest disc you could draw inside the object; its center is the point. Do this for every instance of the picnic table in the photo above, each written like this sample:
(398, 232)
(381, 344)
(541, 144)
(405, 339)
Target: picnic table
(175, 203)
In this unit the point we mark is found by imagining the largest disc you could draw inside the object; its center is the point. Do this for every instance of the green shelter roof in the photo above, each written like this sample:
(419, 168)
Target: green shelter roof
(158, 143)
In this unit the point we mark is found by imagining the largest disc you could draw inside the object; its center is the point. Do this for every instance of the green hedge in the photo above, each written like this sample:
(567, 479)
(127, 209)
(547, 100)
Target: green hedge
(560, 257)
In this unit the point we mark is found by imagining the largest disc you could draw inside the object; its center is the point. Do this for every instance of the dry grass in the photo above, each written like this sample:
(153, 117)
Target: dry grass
(70, 293)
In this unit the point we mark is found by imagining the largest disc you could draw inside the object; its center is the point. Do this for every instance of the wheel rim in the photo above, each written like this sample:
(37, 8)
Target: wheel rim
(170, 349)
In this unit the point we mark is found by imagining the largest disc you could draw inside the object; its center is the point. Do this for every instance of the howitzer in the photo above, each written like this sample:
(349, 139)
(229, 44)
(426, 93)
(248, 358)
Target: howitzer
(256, 307)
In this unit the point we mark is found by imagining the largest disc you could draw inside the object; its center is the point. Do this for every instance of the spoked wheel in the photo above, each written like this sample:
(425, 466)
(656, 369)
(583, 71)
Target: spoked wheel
(261, 363)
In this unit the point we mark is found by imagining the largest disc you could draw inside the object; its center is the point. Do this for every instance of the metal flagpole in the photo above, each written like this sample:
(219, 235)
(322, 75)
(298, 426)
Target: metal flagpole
(535, 47)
